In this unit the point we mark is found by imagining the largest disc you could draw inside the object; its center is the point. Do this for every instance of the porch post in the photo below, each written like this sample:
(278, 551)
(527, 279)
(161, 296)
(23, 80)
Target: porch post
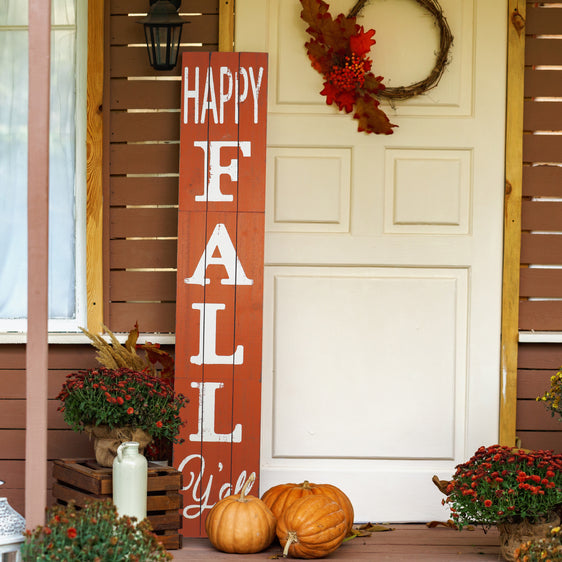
(37, 261)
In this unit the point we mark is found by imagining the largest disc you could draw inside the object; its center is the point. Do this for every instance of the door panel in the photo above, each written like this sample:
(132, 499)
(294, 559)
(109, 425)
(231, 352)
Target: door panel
(383, 259)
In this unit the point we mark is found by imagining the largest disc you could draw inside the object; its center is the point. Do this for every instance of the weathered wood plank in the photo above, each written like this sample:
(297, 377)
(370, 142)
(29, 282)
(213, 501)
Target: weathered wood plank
(540, 315)
(153, 317)
(142, 94)
(144, 158)
(143, 286)
(130, 254)
(143, 222)
(144, 191)
(135, 127)
(545, 181)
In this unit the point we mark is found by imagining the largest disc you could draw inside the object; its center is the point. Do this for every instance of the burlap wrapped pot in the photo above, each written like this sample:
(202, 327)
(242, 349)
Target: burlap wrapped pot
(107, 440)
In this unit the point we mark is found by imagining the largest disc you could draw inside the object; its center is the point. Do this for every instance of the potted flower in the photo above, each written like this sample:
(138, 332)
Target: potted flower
(516, 490)
(117, 405)
(95, 532)
(553, 397)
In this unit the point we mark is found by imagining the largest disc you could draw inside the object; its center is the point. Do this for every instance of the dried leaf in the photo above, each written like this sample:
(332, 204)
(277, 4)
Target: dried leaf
(371, 118)
(132, 338)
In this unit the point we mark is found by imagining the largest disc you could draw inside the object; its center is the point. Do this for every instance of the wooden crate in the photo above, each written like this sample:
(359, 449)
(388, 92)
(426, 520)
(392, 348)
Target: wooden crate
(84, 479)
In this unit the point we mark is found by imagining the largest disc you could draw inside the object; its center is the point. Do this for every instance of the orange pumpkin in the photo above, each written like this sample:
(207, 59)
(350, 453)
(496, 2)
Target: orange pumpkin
(280, 497)
(311, 527)
(241, 523)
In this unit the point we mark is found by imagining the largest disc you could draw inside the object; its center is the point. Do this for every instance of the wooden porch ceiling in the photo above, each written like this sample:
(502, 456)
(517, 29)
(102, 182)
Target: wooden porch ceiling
(411, 542)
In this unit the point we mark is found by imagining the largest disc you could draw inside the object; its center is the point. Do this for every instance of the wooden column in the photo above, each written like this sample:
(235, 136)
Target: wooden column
(37, 261)
(512, 220)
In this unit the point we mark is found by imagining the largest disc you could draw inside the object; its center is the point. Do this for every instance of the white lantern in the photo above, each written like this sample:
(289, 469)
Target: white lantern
(12, 526)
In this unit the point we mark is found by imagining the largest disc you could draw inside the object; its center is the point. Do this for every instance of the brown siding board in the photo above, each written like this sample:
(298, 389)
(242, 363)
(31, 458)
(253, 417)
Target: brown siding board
(127, 61)
(541, 249)
(542, 51)
(541, 215)
(134, 254)
(143, 222)
(534, 416)
(542, 181)
(542, 148)
(144, 159)
(540, 315)
(12, 415)
(135, 127)
(540, 356)
(545, 440)
(126, 30)
(144, 191)
(547, 83)
(543, 21)
(61, 443)
(533, 383)
(154, 317)
(143, 94)
(141, 6)
(542, 116)
(540, 283)
(12, 383)
(143, 285)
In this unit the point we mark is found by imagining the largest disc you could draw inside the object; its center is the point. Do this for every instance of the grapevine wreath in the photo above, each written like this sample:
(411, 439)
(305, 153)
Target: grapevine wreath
(339, 50)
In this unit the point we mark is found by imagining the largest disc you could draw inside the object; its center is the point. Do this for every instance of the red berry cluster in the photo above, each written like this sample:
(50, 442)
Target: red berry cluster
(349, 74)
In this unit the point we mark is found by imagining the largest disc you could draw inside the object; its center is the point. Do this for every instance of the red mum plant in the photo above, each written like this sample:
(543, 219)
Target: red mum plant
(95, 532)
(501, 484)
(122, 397)
(339, 51)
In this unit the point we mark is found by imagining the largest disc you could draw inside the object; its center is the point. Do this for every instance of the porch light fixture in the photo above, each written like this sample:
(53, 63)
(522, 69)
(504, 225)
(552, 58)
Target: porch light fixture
(162, 30)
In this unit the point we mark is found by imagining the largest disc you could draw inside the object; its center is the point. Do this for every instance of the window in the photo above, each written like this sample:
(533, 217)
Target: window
(67, 177)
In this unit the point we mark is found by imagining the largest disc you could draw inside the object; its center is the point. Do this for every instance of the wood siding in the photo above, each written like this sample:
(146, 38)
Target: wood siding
(540, 306)
(61, 441)
(142, 147)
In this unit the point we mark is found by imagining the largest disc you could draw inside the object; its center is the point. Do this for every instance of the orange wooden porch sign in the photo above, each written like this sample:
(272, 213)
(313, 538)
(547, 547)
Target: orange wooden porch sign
(220, 275)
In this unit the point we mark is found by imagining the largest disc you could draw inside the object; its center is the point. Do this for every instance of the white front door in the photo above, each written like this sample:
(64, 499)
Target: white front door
(383, 259)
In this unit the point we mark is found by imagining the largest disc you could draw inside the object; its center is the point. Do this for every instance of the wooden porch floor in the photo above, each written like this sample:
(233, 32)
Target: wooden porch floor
(405, 543)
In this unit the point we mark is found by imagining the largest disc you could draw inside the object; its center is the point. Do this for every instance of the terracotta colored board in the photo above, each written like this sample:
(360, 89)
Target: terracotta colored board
(547, 83)
(144, 94)
(135, 127)
(540, 356)
(144, 190)
(541, 249)
(546, 440)
(12, 415)
(220, 275)
(154, 317)
(541, 282)
(187, 6)
(202, 28)
(130, 254)
(535, 416)
(143, 286)
(543, 21)
(542, 51)
(542, 148)
(542, 116)
(540, 315)
(541, 215)
(532, 383)
(126, 61)
(543, 181)
(144, 159)
(145, 222)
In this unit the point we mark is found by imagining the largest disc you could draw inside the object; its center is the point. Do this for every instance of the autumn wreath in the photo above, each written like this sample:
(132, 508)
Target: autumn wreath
(339, 51)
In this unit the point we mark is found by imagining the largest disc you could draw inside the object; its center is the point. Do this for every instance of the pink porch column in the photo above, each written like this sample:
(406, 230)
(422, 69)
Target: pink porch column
(37, 261)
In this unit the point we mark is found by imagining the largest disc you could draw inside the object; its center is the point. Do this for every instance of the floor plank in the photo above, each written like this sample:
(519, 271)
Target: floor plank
(404, 543)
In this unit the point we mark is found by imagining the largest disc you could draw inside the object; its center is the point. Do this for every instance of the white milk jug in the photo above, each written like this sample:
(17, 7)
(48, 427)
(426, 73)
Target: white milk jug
(130, 477)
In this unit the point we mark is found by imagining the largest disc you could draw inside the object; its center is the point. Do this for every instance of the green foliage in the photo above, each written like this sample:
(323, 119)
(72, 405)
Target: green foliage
(504, 484)
(93, 534)
(548, 549)
(122, 397)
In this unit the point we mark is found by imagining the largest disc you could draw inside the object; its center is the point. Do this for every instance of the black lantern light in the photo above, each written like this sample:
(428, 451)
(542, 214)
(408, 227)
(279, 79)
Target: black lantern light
(162, 29)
